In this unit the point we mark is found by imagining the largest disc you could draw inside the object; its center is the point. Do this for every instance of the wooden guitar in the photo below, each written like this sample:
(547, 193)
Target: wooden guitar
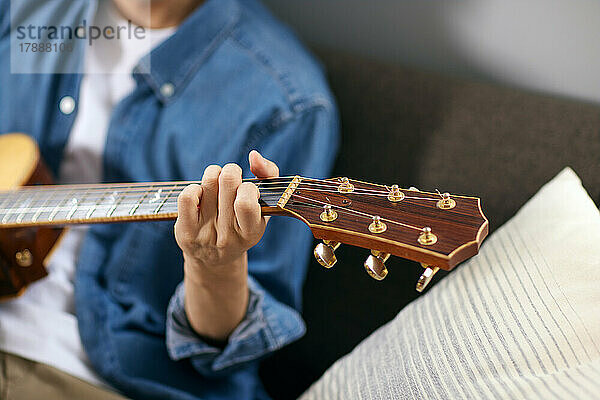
(437, 229)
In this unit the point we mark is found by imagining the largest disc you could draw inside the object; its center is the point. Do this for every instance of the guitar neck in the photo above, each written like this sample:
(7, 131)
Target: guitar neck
(103, 203)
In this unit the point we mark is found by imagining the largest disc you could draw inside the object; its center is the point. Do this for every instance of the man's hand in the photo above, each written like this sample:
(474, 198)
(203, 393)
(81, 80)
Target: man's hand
(217, 223)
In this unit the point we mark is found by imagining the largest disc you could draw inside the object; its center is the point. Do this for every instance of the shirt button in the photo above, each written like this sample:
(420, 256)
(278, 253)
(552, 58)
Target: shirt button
(167, 89)
(67, 105)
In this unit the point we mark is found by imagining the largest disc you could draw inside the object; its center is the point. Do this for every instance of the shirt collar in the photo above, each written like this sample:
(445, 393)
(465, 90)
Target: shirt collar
(169, 67)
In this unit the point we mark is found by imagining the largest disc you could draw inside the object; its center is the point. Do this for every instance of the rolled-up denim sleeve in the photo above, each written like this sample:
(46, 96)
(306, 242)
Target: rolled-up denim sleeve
(267, 326)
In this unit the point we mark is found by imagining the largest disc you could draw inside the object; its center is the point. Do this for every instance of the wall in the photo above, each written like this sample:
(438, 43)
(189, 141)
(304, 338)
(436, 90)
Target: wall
(545, 45)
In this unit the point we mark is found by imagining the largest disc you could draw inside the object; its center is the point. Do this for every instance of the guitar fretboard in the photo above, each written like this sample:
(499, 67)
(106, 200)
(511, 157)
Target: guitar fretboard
(82, 204)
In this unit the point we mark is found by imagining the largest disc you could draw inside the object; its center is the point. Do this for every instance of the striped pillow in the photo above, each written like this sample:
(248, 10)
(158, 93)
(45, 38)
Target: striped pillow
(520, 320)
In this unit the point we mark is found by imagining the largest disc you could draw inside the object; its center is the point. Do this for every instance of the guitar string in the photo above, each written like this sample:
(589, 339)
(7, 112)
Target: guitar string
(141, 190)
(348, 211)
(134, 194)
(143, 185)
(62, 206)
(130, 206)
(309, 200)
(129, 194)
(80, 206)
(116, 186)
(4, 217)
(79, 203)
(338, 208)
(137, 185)
(145, 189)
(35, 216)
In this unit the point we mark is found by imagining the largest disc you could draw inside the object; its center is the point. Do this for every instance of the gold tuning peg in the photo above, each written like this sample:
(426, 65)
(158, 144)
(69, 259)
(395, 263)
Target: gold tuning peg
(425, 278)
(325, 253)
(375, 264)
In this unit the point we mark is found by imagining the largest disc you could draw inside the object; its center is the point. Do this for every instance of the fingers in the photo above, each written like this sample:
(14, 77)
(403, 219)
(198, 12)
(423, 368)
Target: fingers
(247, 211)
(187, 207)
(229, 181)
(261, 167)
(225, 203)
(210, 191)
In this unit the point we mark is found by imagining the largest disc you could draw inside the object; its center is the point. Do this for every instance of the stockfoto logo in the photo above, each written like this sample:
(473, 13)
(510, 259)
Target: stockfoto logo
(46, 34)
(56, 38)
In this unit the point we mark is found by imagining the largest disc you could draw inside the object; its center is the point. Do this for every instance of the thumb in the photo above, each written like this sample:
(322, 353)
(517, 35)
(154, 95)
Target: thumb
(261, 167)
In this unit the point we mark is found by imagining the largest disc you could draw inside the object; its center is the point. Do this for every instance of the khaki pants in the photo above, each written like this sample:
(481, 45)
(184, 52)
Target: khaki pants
(21, 379)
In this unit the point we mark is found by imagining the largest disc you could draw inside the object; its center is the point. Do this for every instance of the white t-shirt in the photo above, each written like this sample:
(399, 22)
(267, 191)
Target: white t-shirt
(41, 324)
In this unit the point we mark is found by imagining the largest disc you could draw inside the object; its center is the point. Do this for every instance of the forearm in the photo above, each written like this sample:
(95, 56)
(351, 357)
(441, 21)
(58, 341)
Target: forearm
(216, 297)
(217, 223)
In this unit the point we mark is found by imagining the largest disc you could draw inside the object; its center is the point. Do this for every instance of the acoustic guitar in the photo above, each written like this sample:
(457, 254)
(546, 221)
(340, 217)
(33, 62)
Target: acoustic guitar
(439, 230)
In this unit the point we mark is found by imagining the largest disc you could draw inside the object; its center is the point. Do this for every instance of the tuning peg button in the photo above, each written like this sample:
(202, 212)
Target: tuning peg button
(426, 277)
(377, 226)
(375, 265)
(325, 253)
(446, 203)
(427, 238)
(395, 195)
(345, 186)
(24, 258)
(328, 213)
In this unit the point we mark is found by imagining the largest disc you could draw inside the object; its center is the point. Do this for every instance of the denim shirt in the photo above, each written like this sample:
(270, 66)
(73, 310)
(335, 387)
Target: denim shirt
(238, 80)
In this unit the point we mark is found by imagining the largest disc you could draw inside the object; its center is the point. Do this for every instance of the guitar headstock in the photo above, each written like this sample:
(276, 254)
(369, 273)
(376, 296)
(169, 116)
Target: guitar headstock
(439, 230)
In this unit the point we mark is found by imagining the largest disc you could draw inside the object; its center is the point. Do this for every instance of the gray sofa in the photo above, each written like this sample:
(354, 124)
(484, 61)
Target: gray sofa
(420, 129)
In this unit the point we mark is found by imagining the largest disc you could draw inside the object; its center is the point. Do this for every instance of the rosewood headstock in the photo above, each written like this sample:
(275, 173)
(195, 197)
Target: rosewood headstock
(438, 230)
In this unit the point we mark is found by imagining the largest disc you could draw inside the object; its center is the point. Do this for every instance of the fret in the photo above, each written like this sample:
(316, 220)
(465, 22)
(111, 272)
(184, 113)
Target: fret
(78, 205)
(91, 211)
(4, 204)
(11, 209)
(23, 209)
(49, 212)
(153, 198)
(129, 204)
(5, 198)
(113, 203)
(162, 203)
(84, 203)
(137, 205)
(53, 213)
(59, 208)
(75, 203)
(170, 206)
(40, 209)
(94, 207)
(156, 196)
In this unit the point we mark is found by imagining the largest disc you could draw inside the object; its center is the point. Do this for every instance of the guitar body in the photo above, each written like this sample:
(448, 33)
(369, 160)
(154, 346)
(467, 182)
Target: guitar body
(23, 251)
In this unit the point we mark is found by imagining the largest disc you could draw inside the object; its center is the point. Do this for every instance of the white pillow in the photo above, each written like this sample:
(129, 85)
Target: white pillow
(521, 320)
